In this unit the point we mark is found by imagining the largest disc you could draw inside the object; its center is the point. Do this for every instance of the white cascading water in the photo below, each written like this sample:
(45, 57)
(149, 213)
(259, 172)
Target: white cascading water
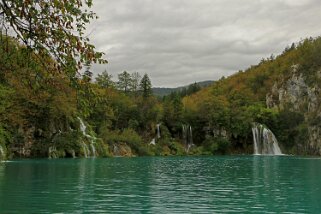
(92, 139)
(265, 142)
(2, 154)
(158, 131)
(187, 136)
(158, 135)
(115, 149)
(153, 142)
(190, 135)
(86, 150)
(184, 134)
(52, 152)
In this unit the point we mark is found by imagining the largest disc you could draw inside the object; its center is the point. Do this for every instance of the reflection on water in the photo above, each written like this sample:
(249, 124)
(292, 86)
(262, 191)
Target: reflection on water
(244, 184)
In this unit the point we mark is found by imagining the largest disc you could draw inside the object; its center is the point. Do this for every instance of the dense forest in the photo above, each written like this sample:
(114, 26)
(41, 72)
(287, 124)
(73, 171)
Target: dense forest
(45, 113)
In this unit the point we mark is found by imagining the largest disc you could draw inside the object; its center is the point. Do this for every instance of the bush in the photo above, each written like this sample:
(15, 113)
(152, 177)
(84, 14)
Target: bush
(216, 145)
(223, 145)
(128, 136)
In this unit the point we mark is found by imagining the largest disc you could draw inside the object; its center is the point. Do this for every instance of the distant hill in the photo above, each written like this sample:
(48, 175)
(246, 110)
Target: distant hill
(159, 91)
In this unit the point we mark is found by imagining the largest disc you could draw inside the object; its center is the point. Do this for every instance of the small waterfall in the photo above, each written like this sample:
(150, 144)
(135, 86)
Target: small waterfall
(115, 150)
(83, 129)
(158, 131)
(52, 152)
(265, 142)
(22, 152)
(153, 142)
(93, 149)
(190, 135)
(158, 135)
(2, 153)
(73, 153)
(86, 150)
(184, 134)
(187, 134)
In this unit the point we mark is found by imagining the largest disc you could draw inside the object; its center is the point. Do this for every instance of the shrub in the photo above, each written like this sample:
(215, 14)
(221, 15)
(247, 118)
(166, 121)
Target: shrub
(216, 145)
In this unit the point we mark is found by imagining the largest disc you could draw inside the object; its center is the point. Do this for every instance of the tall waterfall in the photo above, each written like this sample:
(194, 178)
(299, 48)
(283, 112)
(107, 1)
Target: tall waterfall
(92, 139)
(187, 133)
(265, 142)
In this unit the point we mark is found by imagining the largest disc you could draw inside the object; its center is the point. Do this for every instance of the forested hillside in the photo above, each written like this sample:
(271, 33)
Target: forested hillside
(45, 113)
(282, 93)
(42, 110)
(183, 90)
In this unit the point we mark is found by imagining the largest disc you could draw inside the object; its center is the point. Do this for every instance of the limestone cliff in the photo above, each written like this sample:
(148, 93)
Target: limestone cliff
(297, 94)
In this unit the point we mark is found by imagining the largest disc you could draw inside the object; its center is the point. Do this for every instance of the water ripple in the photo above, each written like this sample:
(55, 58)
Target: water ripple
(235, 184)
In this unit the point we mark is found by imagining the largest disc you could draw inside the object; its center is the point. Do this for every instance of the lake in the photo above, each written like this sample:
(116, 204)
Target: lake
(224, 184)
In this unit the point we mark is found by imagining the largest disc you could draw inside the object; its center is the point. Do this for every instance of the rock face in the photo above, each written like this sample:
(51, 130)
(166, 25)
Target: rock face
(296, 94)
(121, 150)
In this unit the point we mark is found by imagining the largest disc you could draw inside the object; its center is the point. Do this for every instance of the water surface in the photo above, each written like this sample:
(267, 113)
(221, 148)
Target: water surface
(229, 184)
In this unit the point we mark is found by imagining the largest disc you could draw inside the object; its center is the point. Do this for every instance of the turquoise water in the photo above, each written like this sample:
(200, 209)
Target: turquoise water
(231, 184)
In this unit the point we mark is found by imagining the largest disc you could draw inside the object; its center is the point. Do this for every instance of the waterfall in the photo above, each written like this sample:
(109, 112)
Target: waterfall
(184, 134)
(187, 134)
(265, 142)
(83, 129)
(52, 152)
(2, 154)
(93, 149)
(115, 150)
(190, 136)
(73, 153)
(153, 142)
(158, 135)
(86, 150)
(158, 131)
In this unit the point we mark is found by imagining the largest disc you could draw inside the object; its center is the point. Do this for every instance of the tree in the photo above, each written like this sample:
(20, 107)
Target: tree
(134, 84)
(104, 80)
(177, 108)
(146, 86)
(87, 76)
(193, 88)
(124, 81)
(55, 28)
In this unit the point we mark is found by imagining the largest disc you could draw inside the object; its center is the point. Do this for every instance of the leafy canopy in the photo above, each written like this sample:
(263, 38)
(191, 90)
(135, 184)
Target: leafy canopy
(53, 27)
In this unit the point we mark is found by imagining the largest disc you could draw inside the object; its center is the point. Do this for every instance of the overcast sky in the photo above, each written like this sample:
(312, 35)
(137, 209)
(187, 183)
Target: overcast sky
(177, 42)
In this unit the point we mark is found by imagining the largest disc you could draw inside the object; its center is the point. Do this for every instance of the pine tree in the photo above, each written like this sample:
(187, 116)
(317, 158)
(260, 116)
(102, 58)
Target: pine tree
(146, 86)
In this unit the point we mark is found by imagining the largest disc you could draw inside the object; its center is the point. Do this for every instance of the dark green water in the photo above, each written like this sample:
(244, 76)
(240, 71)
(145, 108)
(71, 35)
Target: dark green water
(232, 184)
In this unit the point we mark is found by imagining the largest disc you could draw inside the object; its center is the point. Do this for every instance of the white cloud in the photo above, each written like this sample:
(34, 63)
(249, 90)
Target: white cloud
(297, 2)
(179, 42)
